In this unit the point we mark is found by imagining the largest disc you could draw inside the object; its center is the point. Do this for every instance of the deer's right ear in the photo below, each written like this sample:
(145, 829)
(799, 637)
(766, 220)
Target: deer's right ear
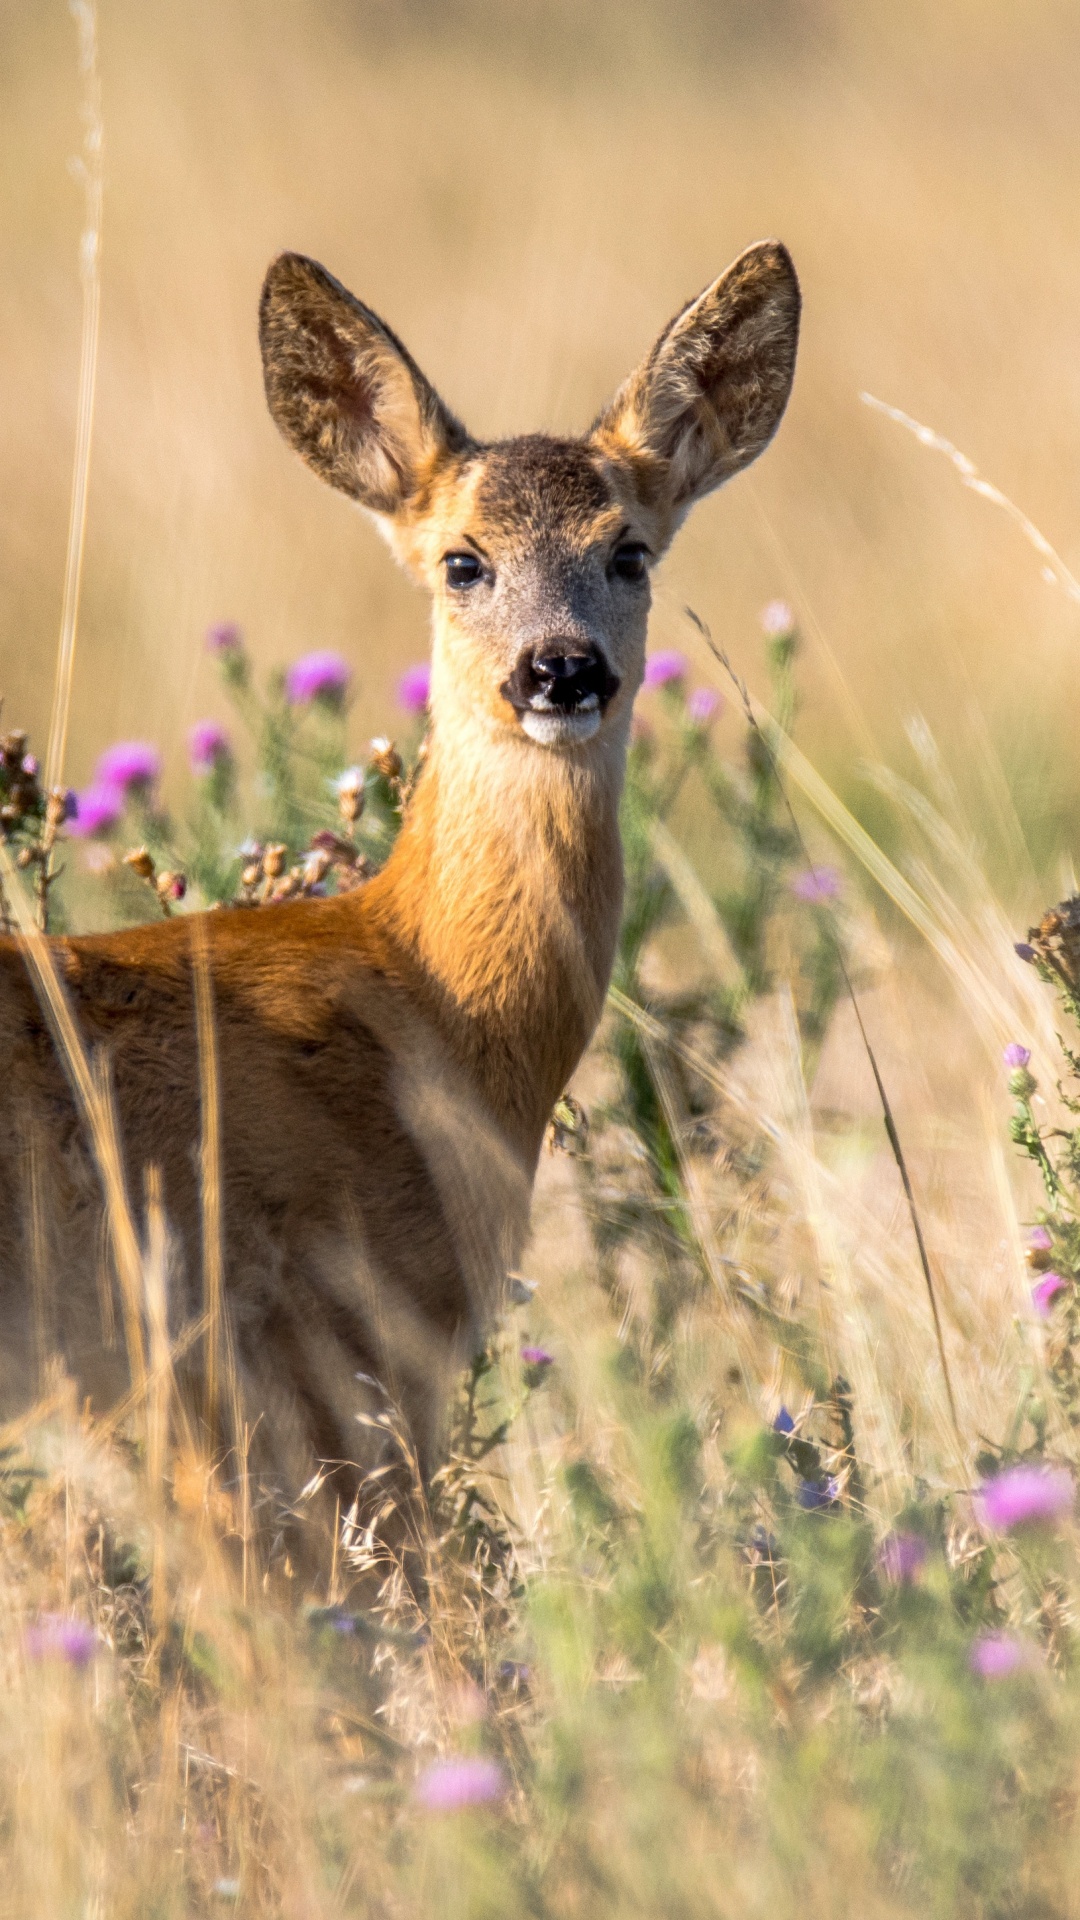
(345, 393)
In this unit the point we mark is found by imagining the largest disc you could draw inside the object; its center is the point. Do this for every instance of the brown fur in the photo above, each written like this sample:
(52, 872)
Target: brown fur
(389, 1059)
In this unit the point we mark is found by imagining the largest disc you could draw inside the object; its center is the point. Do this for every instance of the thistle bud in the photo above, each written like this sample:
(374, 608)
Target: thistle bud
(273, 860)
(140, 862)
(386, 760)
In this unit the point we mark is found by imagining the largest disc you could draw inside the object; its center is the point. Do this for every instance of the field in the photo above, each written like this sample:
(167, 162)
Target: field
(717, 1617)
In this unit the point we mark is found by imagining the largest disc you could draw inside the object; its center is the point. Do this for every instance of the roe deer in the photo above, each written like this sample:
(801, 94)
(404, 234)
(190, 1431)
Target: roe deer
(389, 1059)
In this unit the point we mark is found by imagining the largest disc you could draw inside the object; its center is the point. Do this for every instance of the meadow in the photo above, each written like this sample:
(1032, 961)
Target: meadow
(750, 1580)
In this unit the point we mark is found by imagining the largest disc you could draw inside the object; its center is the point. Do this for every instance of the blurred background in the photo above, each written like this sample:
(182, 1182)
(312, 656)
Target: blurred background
(526, 190)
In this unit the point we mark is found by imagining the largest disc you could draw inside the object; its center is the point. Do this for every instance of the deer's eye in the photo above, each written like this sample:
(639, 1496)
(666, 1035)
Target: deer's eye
(462, 569)
(628, 561)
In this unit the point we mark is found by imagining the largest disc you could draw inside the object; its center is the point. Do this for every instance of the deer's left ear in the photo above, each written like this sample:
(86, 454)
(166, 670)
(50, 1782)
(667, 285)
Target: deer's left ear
(710, 395)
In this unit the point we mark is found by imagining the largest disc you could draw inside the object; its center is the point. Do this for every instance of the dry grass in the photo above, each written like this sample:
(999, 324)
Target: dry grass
(526, 194)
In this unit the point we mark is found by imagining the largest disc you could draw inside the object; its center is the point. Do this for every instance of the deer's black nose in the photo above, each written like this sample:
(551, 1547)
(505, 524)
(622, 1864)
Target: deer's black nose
(561, 677)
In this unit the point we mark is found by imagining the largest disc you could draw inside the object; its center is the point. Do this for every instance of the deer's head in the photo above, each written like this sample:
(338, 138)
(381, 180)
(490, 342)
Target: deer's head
(537, 550)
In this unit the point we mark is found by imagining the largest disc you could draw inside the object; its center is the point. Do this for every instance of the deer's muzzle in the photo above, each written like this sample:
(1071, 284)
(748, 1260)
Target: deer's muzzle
(559, 691)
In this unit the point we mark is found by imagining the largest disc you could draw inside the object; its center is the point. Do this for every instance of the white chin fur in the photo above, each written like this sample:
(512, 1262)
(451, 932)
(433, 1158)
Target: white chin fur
(560, 729)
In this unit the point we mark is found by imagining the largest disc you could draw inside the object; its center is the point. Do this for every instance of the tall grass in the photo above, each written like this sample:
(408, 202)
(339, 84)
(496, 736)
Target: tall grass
(712, 1619)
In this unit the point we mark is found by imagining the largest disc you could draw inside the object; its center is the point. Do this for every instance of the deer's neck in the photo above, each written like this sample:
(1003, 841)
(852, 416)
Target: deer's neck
(501, 904)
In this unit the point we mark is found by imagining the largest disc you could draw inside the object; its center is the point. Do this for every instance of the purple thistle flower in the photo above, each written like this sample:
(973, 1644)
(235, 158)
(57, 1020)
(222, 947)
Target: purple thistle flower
(813, 1494)
(96, 811)
(661, 669)
(777, 619)
(55, 1636)
(1045, 1291)
(703, 706)
(1024, 1495)
(783, 1422)
(901, 1556)
(1023, 951)
(208, 744)
(31, 765)
(317, 676)
(1016, 1056)
(468, 1781)
(1040, 1240)
(225, 637)
(537, 1357)
(993, 1655)
(128, 766)
(816, 885)
(414, 688)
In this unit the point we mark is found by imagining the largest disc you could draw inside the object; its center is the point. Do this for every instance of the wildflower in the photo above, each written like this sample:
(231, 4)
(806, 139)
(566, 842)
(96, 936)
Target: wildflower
(777, 619)
(1045, 1291)
(468, 1781)
(901, 1556)
(1039, 1240)
(1015, 1056)
(97, 810)
(55, 1636)
(414, 688)
(31, 765)
(1023, 951)
(816, 885)
(662, 669)
(993, 1655)
(225, 637)
(1026, 1494)
(537, 1357)
(208, 746)
(783, 1422)
(703, 706)
(129, 766)
(812, 1494)
(318, 676)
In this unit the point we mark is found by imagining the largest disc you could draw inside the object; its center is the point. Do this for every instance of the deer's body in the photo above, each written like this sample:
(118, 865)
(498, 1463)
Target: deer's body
(389, 1059)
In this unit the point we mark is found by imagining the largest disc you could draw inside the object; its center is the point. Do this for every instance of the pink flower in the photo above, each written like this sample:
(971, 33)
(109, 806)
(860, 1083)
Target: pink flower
(128, 766)
(225, 637)
(97, 810)
(704, 706)
(537, 1357)
(208, 743)
(993, 1655)
(901, 1556)
(1044, 1292)
(1016, 1056)
(777, 619)
(31, 765)
(317, 676)
(54, 1636)
(414, 688)
(663, 668)
(816, 885)
(468, 1781)
(1025, 1495)
(1040, 1240)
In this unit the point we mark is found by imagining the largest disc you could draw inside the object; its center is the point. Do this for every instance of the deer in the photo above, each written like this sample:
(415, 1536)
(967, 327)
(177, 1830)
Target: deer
(387, 1060)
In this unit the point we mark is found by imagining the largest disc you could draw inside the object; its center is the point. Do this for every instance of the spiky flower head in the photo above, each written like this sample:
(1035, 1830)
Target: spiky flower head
(470, 1780)
(414, 688)
(1026, 1495)
(665, 668)
(208, 746)
(128, 766)
(323, 676)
